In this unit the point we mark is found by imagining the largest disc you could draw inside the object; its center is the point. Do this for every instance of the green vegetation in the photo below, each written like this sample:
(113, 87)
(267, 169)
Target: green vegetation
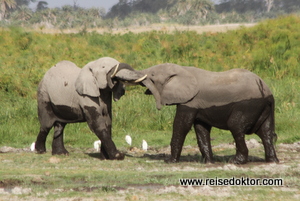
(271, 49)
(142, 13)
(81, 176)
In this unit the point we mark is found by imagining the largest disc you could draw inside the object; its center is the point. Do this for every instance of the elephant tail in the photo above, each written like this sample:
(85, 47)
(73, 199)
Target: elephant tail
(273, 119)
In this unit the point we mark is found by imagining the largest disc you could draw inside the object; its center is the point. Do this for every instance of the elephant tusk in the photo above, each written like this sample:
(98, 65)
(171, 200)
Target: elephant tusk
(140, 79)
(115, 72)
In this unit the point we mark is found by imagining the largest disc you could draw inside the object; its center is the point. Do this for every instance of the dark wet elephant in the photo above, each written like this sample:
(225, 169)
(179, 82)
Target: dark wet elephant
(235, 100)
(68, 94)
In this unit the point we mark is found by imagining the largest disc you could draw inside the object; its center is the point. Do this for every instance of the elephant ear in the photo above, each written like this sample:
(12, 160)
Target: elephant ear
(86, 83)
(93, 76)
(180, 87)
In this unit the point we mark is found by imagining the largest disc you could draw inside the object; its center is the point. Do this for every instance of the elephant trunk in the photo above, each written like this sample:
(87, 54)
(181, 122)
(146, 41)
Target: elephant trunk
(154, 91)
(124, 72)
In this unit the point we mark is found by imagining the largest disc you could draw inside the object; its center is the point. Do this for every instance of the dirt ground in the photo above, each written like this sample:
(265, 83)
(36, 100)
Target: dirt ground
(288, 154)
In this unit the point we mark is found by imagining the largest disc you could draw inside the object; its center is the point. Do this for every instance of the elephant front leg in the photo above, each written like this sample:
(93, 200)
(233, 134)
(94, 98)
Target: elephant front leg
(108, 148)
(183, 122)
(203, 138)
(101, 126)
(98, 116)
(104, 155)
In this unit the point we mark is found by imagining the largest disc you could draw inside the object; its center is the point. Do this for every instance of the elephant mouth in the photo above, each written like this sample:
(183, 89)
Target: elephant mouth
(148, 92)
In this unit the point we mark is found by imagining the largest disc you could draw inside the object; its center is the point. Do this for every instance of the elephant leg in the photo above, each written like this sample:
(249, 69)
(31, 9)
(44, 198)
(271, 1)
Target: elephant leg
(182, 124)
(58, 147)
(103, 154)
(46, 123)
(241, 156)
(268, 137)
(238, 124)
(203, 138)
(100, 124)
(108, 147)
(40, 143)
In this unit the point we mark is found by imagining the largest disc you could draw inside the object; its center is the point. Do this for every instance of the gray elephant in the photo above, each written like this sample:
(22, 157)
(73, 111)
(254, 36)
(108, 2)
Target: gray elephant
(68, 94)
(236, 100)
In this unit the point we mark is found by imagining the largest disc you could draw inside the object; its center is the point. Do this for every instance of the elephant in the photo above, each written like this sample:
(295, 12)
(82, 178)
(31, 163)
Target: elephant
(236, 100)
(69, 94)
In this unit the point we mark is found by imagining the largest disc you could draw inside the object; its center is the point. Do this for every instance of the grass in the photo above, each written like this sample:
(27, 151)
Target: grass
(270, 49)
(82, 175)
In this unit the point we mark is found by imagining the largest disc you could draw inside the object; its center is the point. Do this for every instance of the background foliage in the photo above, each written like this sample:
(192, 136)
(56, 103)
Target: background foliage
(142, 13)
(271, 49)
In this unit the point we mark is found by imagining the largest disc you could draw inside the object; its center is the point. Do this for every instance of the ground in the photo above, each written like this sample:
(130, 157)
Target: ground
(151, 162)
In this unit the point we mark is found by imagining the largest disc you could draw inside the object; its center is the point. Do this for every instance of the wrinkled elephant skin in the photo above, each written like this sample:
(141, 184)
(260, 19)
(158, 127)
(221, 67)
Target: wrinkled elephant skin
(68, 94)
(236, 100)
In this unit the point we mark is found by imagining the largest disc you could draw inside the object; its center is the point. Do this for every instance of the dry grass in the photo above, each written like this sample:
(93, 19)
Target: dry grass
(168, 28)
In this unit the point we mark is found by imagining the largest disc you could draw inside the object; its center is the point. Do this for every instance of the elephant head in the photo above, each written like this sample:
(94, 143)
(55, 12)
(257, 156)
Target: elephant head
(103, 73)
(170, 84)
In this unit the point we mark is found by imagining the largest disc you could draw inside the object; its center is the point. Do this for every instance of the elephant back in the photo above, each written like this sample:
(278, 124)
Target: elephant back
(59, 83)
(221, 88)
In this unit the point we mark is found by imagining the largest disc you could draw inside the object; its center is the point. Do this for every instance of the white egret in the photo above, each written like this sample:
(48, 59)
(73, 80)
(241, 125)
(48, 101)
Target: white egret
(32, 146)
(128, 139)
(97, 145)
(144, 145)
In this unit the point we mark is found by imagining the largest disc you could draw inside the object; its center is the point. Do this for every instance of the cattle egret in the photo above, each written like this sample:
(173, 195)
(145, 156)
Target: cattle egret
(32, 147)
(97, 145)
(128, 139)
(144, 145)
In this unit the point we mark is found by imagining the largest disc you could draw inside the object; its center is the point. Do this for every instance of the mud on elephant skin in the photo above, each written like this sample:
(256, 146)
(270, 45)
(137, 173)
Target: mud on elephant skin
(69, 94)
(236, 100)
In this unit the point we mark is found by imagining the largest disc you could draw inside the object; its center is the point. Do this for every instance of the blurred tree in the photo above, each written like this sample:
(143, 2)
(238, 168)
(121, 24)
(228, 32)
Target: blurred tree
(5, 6)
(41, 5)
(23, 13)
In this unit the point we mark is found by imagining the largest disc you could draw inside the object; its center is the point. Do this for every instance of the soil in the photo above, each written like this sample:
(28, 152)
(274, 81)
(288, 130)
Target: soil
(288, 155)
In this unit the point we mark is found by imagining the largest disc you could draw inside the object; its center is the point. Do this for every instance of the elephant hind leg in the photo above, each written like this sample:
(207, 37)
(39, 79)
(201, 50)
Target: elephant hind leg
(40, 144)
(46, 123)
(268, 137)
(58, 147)
(238, 126)
(241, 156)
(203, 138)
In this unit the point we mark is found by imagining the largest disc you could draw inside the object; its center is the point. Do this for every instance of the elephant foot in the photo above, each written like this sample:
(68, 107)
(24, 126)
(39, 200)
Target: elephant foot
(119, 156)
(208, 160)
(239, 159)
(60, 152)
(171, 160)
(40, 149)
(102, 156)
(272, 160)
